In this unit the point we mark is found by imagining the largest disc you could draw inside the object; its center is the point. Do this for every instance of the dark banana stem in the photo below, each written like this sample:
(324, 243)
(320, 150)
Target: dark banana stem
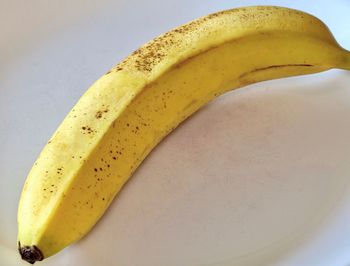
(30, 254)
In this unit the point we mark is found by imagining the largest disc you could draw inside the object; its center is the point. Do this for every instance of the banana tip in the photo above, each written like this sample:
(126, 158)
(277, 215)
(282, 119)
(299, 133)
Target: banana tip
(30, 254)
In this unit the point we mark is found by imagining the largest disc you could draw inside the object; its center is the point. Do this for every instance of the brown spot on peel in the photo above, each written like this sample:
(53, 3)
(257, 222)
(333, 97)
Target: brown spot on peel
(100, 113)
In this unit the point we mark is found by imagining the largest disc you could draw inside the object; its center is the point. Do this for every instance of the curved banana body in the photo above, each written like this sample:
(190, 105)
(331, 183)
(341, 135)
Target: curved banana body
(125, 113)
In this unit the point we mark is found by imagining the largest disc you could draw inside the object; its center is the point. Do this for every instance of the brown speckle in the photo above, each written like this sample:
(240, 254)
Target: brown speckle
(87, 130)
(98, 114)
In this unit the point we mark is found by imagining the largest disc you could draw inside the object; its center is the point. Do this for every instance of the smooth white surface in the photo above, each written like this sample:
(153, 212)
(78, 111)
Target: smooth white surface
(261, 176)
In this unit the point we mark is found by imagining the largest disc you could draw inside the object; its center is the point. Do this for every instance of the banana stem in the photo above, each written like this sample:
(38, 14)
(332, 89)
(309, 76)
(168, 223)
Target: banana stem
(30, 254)
(346, 64)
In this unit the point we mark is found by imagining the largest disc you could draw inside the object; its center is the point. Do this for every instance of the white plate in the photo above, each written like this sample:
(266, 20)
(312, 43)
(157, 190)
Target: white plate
(261, 176)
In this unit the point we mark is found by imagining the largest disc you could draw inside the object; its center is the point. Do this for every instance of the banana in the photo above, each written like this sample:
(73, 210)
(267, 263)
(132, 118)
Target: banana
(131, 108)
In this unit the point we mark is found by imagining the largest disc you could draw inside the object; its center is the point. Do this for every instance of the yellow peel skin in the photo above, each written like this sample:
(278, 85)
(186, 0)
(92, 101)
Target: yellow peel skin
(128, 111)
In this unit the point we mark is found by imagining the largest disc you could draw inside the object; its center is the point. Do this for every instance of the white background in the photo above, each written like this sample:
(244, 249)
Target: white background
(261, 176)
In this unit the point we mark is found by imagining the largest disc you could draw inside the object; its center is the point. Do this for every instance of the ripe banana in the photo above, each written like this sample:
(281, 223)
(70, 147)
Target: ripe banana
(126, 112)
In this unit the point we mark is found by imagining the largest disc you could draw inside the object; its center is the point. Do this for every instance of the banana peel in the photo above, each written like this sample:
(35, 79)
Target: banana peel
(131, 108)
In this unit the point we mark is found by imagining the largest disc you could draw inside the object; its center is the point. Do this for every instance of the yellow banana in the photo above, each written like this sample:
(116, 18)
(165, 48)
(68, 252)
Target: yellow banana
(126, 112)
